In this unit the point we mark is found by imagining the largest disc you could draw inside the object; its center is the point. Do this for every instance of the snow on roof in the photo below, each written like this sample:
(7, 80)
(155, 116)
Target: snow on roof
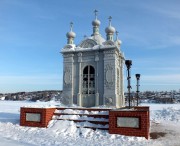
(98, 38)
(95, 42)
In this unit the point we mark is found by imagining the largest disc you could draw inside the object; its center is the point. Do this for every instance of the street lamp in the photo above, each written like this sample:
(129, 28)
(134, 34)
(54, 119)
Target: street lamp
(137, 92)
(128, 65)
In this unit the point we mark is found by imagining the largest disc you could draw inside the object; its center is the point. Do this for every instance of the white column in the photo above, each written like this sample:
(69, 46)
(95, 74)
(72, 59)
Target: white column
(79, 99)
(72, 81)
(122, 83)
(97, 71)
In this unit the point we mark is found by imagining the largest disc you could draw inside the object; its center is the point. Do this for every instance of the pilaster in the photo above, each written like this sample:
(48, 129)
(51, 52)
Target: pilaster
(68, 78)
(79, 96)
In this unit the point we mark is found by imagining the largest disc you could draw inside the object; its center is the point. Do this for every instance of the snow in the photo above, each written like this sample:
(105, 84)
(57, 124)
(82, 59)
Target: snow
(77, 117)
(9, 142)
(2, 98)
(71, 111)
(165, 118)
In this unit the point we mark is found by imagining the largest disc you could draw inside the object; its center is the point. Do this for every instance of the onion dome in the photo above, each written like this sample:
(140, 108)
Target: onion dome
(71, 34)
(110, 29)
(96, 23)
(118, 41)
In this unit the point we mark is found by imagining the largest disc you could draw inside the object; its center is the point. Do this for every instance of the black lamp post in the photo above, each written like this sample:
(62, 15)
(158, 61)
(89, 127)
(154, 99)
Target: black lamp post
(128, 65)
(137, 92)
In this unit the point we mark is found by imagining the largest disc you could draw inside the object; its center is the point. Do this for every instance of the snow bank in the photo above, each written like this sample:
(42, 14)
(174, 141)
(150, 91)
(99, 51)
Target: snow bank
(166, 114)
(66, 132)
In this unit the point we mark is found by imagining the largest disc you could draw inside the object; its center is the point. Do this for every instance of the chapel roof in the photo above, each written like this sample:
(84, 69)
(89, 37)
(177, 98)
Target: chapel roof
(95, 41)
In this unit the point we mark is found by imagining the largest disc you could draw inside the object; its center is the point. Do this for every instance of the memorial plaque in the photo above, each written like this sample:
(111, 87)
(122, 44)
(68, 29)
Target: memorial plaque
(130, 122)
(33, 117)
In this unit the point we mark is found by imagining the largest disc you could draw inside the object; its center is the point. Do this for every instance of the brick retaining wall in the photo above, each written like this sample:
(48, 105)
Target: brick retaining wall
(142, 113)
(45, 116)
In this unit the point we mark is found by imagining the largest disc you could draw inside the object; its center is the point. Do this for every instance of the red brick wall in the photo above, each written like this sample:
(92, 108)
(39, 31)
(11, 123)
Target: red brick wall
(140, 112)
(46, 116)
(144, 108)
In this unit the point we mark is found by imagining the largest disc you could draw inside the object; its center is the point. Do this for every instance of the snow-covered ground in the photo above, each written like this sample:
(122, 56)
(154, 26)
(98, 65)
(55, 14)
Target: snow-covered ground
(165, 122)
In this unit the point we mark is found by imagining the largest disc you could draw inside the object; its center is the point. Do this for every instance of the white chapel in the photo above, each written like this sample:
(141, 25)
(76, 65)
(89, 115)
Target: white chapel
(93, 69)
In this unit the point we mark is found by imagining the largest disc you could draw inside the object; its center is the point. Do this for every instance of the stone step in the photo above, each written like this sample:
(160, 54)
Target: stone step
(93, 128)
(87, 109)
(81, 115)
(93, 122)
(93, 118)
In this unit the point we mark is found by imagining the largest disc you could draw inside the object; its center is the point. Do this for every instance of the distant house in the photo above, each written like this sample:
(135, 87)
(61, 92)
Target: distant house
(166, 99)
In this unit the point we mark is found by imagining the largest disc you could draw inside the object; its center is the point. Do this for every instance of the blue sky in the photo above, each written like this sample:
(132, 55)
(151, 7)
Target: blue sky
(32, 33)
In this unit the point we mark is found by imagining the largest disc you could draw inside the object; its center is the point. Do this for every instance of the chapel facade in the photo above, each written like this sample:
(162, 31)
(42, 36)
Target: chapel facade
(93, 70)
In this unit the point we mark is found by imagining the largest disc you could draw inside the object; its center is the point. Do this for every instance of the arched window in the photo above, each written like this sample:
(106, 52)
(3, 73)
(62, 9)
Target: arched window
(88, 80)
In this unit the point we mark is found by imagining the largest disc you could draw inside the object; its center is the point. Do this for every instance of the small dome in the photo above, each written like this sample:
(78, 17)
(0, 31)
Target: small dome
(118, 42)
(96, 22)
(71, 34)
(110, 29)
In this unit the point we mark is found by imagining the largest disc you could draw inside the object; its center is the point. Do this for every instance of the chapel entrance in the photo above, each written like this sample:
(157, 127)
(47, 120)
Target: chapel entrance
(88, 92)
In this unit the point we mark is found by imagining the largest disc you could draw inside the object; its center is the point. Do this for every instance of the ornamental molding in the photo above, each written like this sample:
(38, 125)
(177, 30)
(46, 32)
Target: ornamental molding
(91, 53)
(67, 77)
(88, 43)
(96, 56)
(68, 60)
(109, 101)
(117, 54)
(109, 78)
(87, 60)
(79, 54)
(68, 55)
(109, 52)
(109, 43)
(79, 57)
(108, 56)
(67, 47)
(118, 62)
